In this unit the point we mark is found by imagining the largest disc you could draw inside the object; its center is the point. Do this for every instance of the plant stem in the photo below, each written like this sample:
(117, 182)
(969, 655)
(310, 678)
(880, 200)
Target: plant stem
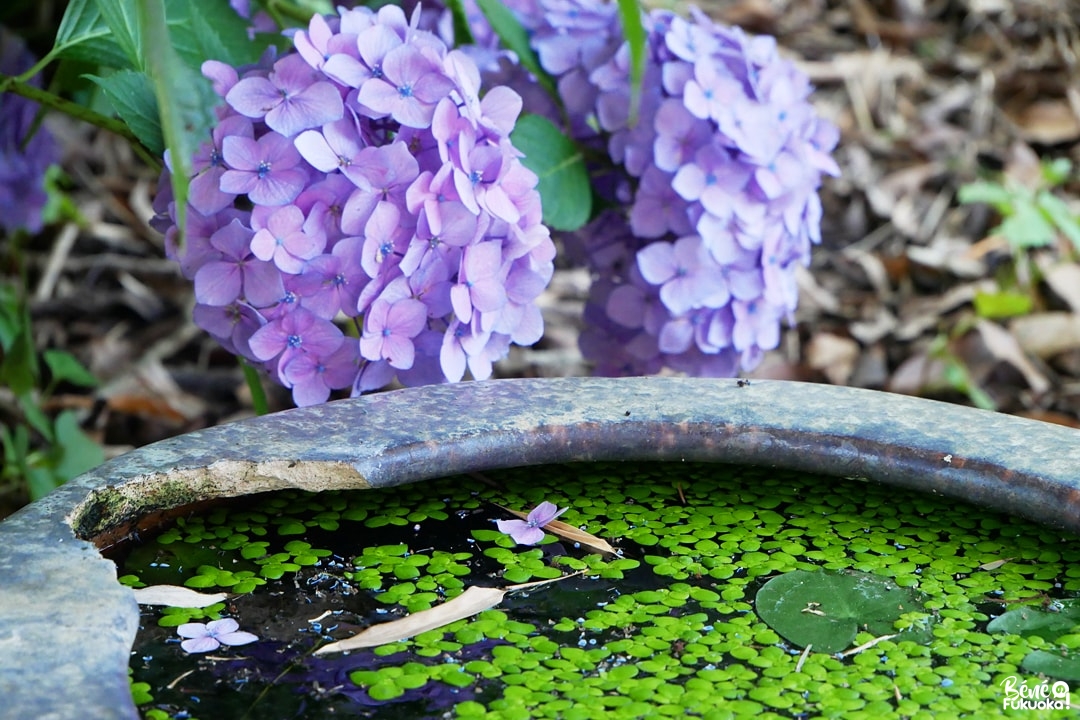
(79, 112)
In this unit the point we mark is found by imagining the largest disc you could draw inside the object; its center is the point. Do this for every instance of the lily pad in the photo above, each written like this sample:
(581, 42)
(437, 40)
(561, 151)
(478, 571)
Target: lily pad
(1053, 665)
(826, 609)
(1028, 621)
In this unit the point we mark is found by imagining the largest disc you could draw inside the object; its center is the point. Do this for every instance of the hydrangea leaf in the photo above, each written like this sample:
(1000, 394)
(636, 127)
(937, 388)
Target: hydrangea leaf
(132, 97)
(826, 609)
(84, 35)
(124, 25)
(559, 164)
(212, 31)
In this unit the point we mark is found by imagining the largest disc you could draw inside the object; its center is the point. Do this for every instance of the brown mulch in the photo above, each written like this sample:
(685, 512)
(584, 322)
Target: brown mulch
(930, 95)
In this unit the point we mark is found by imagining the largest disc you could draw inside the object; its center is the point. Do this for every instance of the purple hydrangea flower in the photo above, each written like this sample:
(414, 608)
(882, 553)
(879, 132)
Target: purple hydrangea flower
(206, 637)
(24, 157)
(530, 531)
(290, 99)
(389, 330)
(264, 169)
(366, 179)
(713, 188)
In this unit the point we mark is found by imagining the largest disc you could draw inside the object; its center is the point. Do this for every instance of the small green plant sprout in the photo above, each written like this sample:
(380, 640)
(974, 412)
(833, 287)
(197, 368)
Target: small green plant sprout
(40, 452)
(956, 374)
(1033, 215)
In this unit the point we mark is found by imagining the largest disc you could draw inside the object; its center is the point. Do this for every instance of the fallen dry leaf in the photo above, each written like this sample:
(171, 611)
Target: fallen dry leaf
(994, 565)
(833, 355)
(918, 374)
(1064, 280)
(176, 596)
(474, 600)
(1045, 335)
(1002, 346)
(1047, 121)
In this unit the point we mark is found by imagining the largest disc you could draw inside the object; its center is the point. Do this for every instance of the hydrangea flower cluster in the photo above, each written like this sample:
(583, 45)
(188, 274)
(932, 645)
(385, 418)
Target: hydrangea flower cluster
(362, 176)
(718, 162)
(26, 149)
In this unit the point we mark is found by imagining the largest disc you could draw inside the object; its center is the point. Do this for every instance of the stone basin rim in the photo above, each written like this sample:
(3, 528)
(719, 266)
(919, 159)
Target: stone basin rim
(1020, 466)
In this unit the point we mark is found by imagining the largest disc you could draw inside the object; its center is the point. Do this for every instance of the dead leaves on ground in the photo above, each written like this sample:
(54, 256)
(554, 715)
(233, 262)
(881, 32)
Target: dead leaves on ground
(890, 301)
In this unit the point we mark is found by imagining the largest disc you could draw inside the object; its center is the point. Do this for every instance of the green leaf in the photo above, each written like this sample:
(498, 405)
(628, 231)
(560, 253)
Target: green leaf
(259, 402)
(462, 32)
(1029, 621)
(78, 453)
(517, 575)
(990, 193)
(120, 17)
(1057, 171)
(1053, 665)
(385, 690)
(60, 207)
(12, 317)
(1057, 212)
(16, 444)
(19, 369)
(185, 98)
(203, 31)
(634, 32)
(132, 97)
(559, 164)
(35, 417)
(957, 376)
(84, 35)
(291, 527)
(515, 38)
(40, 481)
(1002, 304)
(65, 368)
(826, 609)
(1026, 227)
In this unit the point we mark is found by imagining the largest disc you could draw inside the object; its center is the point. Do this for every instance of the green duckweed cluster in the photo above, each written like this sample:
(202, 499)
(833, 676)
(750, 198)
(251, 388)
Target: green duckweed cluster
(668, 628)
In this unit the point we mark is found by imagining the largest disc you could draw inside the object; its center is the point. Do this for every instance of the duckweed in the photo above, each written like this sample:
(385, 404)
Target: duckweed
(670, 627)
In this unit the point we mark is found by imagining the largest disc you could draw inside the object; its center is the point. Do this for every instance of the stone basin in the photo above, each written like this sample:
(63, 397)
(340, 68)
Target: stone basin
(67, 625)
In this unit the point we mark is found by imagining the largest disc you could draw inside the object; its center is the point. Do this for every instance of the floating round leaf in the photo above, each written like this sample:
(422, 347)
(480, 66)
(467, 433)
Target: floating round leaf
(1029, 621)
(1053, 665)
(826, 609)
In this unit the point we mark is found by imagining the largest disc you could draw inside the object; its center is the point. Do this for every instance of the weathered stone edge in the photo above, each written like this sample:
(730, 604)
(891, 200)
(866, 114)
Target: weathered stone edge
(67, 626)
